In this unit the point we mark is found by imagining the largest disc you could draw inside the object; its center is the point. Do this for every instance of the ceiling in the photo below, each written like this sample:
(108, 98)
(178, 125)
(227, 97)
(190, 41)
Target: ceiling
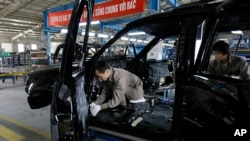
(24, 18)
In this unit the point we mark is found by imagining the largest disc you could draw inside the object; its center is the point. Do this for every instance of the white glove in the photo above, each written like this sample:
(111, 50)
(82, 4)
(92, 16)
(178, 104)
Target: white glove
(94, 110)
(92, 105)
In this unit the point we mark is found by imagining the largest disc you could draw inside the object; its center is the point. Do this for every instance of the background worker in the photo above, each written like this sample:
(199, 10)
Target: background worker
(225, 63)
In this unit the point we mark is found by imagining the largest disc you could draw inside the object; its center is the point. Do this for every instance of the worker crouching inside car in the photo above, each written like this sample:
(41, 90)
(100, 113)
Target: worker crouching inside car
(118, 86)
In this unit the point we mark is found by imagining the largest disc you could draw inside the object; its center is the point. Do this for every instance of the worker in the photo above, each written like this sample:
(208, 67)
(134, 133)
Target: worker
(225, 63)
(119, 86)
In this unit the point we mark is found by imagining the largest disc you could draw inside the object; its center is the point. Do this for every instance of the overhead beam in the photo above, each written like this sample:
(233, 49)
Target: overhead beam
(32, 19)
(23, 33)
(16, 21)
(154, 5)
(16, 25)
(11, 7)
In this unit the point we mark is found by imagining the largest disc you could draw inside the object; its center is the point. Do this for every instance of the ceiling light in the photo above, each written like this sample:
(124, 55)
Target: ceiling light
(136, 33)
(171, 41)
(167, 44)
(237, 32)
(132, 39)
(64, 30)
(91, 34)
(139, 41)
(223, 39)
(92, 23)
(124, 38)
(103, 35)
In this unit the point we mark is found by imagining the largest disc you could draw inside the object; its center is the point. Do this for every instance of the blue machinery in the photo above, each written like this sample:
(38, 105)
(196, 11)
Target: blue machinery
(153, 5)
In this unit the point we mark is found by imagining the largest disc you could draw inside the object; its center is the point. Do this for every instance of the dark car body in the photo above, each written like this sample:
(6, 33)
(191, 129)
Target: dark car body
(44, 77)
(196, 27)
(41, 81)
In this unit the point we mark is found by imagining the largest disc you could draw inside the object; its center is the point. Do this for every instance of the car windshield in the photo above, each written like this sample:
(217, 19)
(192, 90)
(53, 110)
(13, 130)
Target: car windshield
(125, 45)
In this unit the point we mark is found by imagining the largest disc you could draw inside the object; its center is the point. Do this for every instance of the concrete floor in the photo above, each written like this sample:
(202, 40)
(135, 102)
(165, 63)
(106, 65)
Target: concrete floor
(17, 121)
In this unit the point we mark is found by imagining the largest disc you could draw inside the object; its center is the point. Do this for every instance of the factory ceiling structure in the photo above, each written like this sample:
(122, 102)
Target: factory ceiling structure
(25, 18)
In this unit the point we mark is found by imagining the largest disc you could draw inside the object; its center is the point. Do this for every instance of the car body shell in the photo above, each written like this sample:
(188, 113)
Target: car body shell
(75, 89)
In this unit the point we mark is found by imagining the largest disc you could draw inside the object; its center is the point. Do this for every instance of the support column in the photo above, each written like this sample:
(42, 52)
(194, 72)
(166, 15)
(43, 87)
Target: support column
(47, 37)
(101, 40)
(154, 5)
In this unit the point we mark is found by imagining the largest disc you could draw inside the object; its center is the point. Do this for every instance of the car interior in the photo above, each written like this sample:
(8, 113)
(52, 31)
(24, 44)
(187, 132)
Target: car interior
(156, 113)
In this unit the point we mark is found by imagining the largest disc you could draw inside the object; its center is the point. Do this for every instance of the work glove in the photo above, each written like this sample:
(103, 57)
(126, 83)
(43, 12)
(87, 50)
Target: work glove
(94, 110)
(92, 105)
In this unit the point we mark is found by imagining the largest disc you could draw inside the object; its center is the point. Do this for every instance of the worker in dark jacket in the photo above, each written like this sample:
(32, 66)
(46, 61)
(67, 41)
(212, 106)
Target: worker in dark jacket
(226, 64)
(118, 86)
(223, 64)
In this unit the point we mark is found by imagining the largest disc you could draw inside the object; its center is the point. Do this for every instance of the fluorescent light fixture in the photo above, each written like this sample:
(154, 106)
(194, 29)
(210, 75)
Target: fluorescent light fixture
(132, 39)
(171, 41)
(136, 33)
(64, 30)
(237, 32)
(82, 24)
(91, 34)
(103, 35)
(145, 41)
(139, 41)
(111, 36)
(124, 38)
(92, 23)
(95, 22)
(166, 44)
(222, 39)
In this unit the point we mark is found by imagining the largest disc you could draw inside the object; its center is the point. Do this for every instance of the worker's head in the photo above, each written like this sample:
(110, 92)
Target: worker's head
(220, 51)
(102, 70)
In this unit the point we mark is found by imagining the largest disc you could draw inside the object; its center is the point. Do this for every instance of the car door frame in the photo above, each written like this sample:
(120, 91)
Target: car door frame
(72, 86)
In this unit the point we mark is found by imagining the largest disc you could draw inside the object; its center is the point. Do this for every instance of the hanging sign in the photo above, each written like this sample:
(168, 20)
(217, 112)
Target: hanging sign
(102, 11)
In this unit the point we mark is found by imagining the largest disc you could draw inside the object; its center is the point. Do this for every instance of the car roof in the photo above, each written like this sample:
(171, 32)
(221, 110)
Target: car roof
(237, 19)
(168, 23)
(158, 24)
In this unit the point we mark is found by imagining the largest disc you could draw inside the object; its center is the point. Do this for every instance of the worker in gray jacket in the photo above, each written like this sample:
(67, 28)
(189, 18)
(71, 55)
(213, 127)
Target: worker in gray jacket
(225, 63)
(118, 86)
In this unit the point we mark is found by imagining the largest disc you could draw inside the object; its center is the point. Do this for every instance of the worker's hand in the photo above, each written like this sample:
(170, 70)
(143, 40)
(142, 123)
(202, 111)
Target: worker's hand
(92, 105)
(94, 110)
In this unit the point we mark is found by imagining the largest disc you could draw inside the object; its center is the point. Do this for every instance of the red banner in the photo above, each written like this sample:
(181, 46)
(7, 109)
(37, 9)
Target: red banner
(102, 11)
(59, 18)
